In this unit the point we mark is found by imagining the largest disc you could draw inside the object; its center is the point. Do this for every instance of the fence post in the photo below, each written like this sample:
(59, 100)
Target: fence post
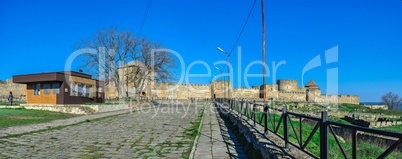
(285, 125)
(324, 136)
(247, 110)
(354, 144)
(241, 107)
(232, 101)
(235, 105)
(265, 118)
(254, 110)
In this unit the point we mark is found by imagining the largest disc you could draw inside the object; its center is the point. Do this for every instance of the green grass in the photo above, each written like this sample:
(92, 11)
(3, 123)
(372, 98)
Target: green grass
(353, 108)
(395, 128)
(364, 150)
(192, 133)
(91, 152)
(15, 103)
(338, 120)
(350, 108)
(20, 116)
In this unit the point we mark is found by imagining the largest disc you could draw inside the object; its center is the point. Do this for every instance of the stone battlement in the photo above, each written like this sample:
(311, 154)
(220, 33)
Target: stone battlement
(286, 90)
(335, 95)
(245, 88)
(286, 80)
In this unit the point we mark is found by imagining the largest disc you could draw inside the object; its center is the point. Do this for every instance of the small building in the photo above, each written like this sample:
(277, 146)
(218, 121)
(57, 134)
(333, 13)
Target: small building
(60, 88)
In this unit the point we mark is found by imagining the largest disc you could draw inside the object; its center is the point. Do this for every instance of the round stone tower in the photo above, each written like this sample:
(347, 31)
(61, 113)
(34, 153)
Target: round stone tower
(287, 85)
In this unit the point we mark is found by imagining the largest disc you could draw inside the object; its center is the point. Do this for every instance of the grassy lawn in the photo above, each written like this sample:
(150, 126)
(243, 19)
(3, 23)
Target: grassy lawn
(349, 108)
(20, 116)
(353, 108)
(395, 128)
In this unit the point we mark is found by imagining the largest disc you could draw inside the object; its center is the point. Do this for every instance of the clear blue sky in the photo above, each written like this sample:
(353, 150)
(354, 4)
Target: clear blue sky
(38, 36)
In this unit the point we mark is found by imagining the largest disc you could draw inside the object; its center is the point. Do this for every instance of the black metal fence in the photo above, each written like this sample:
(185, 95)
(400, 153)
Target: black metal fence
(266, 118)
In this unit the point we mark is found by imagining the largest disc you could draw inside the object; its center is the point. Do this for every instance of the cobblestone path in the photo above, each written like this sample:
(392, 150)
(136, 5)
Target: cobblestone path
(216, 141)
(142, 134)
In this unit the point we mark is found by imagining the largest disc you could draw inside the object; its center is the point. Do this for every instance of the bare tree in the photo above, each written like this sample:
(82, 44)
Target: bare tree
(116, 50)
(153, 65)
(391, 100)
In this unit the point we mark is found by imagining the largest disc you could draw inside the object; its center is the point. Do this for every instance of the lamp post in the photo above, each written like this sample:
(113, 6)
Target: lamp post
(224, 93)
(227, 60)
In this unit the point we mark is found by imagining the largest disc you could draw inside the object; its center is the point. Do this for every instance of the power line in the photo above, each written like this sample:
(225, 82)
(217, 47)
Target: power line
(146, 15)
(244, 26)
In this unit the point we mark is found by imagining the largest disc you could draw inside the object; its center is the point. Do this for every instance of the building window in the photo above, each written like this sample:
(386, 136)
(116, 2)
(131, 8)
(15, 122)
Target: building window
(73, 89)
(56, 88)
(81, 90)
(46, 88)
(88, 91)
(36, 89)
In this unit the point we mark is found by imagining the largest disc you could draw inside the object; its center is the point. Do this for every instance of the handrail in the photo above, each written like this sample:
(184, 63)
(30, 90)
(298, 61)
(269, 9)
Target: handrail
(368, 130)
(248, 109)
(305, 116)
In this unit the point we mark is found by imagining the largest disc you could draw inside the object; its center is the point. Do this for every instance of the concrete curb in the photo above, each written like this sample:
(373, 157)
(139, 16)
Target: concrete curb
(192, 153)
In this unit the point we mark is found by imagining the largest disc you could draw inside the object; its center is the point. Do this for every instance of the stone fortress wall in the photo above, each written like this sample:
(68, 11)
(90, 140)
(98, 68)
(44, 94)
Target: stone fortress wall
(181, 91)
(288, 90)
(283, 90)
(250, 93)
(188, 91)
(289, 86)
(19, 90)
(353, 99)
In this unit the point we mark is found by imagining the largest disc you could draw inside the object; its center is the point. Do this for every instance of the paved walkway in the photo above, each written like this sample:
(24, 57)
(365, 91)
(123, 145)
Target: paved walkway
(160, 132)
(216, 140)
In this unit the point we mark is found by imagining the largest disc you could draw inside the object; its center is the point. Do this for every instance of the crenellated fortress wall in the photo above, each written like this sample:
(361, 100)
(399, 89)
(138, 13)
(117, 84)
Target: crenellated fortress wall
(283, 90)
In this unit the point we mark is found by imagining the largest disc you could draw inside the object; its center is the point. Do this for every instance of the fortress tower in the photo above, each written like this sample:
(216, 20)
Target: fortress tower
(271, 91)
(287, 85)
(219, 89)
(312, 91)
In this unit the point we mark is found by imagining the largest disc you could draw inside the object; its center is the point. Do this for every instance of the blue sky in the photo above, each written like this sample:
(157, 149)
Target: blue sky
(38, 36)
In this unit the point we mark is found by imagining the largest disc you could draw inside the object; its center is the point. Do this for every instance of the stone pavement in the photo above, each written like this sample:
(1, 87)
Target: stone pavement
(162, 132)
(216, 140)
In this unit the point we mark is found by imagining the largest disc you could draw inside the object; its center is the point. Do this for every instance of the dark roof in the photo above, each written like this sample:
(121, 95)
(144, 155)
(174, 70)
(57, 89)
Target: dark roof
(47, 76)
(311, 84)
(78, 74)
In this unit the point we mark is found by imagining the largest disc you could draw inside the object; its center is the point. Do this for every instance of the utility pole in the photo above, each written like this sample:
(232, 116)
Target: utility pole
(264, 71)
(229, 86)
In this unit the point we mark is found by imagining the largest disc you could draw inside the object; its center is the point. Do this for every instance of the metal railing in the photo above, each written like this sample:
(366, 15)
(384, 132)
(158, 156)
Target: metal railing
(267, 119)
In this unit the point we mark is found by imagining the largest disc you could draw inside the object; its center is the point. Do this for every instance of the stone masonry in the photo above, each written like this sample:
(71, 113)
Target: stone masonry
(19, 90)
(283, 90)
(143, 134)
